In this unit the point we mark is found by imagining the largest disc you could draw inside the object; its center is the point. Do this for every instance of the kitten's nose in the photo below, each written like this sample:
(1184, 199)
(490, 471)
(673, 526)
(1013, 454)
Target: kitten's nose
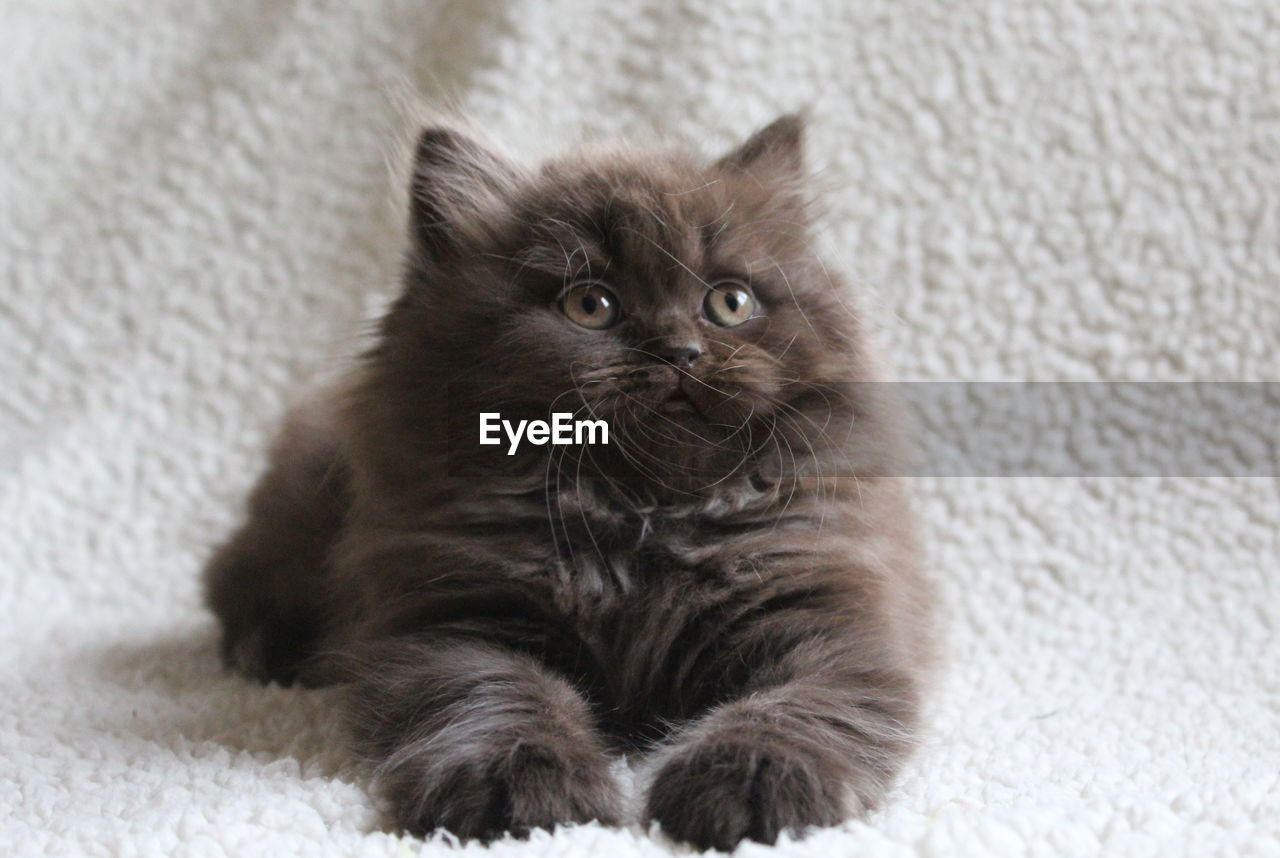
(682, 355)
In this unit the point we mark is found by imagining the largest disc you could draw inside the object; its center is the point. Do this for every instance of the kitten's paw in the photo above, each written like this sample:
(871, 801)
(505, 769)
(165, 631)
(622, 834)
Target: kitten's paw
(717, 794)
(269, 651)
(264, 635)
(531, 786)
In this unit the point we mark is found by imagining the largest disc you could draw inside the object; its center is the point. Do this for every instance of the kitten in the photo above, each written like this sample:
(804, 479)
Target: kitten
(729, 586)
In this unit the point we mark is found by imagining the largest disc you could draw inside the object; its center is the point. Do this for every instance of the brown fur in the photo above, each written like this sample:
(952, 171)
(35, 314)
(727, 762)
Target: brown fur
(730, 588)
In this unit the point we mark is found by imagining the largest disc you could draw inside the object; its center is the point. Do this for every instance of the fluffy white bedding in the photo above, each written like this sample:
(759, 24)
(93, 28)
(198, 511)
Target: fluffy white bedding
(196, 216)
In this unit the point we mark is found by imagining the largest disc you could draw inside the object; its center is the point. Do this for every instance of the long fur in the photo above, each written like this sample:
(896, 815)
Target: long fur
(730, 587)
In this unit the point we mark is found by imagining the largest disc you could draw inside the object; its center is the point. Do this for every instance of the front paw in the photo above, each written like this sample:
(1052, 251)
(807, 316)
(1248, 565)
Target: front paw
(529, 786)
(270, 651)
(716, 794)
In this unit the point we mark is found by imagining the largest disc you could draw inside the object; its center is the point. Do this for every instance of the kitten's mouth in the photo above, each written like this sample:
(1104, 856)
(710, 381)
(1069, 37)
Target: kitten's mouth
(678, 402)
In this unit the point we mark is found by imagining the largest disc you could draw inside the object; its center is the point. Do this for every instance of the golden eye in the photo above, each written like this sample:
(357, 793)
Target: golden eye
(591, 306)
(729, 303)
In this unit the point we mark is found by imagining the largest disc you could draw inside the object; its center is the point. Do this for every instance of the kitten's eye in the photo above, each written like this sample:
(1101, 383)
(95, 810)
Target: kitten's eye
(729, 303)
(592, 306)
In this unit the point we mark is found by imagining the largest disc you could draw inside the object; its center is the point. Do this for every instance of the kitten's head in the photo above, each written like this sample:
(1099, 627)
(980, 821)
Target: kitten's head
(678, 299)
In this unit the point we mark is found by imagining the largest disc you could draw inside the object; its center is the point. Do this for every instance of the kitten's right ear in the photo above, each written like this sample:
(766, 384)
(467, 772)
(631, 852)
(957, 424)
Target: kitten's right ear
(458, 190)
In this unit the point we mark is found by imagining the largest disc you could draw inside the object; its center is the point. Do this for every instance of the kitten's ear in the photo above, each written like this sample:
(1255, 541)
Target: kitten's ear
(458, 190)
(777, 149)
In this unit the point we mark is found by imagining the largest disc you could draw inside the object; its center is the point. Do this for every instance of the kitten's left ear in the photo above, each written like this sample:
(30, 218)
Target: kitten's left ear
(459, 187)
(777, 149)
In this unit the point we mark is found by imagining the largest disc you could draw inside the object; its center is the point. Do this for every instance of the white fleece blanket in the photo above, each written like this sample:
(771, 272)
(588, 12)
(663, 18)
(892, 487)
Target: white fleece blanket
(197, 218)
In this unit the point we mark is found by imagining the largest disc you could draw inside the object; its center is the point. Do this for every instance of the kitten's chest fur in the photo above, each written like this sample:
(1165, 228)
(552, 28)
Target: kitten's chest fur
(640, 603)
(645, 608)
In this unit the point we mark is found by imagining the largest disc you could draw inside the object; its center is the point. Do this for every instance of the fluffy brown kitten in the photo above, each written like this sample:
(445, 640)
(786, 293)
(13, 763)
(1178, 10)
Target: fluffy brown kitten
(729, 585)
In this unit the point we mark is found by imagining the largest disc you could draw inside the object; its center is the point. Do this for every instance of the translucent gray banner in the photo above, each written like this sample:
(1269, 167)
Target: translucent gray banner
(979, 429)
(1101, 429)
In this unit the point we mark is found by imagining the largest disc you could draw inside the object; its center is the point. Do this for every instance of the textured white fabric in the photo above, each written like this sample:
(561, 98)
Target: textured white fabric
(197, 217)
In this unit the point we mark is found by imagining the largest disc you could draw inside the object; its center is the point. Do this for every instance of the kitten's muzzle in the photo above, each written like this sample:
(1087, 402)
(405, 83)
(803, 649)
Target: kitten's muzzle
(667, 387)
